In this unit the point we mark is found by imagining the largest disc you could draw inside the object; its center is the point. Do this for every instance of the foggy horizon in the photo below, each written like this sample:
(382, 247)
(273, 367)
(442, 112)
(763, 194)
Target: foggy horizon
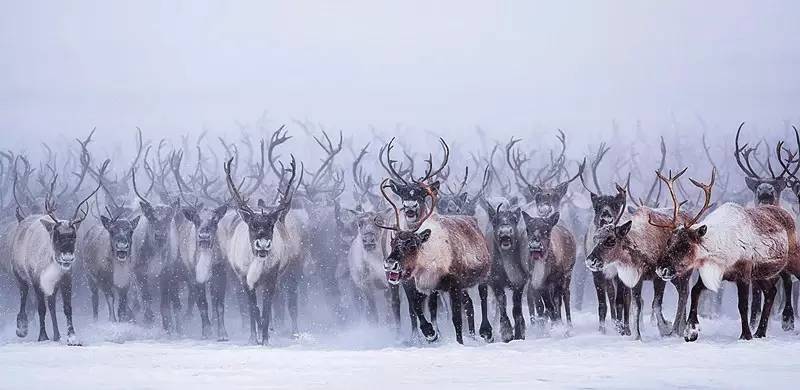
(447, 67)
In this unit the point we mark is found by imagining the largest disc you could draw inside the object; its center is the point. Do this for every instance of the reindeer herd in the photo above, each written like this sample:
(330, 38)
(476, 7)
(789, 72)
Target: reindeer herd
(248, 225)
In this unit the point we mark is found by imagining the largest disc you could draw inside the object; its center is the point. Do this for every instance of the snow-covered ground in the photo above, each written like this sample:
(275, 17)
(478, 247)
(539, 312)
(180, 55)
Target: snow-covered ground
(124, 356)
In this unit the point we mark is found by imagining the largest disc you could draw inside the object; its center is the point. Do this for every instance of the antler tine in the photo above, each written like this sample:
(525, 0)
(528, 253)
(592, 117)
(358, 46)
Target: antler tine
(786, 166)
(661, 168)
(581, 168)
(75, 219)
(434, 201)
(487, 179)
(707, 193)
(241, 202)
(136, 189)
(49, 203)
(676, 205)
(624, 192)
(430, 173)
(515, 162)
(388, 166)
(743, 150)
(396, 226)
(278, 138)
(601, 152)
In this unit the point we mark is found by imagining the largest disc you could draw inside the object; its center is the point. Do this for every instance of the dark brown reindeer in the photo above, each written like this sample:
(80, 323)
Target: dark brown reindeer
(765, 238)
(414, 194)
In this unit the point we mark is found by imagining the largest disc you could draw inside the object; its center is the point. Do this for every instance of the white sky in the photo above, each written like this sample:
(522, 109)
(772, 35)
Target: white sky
(174, 66)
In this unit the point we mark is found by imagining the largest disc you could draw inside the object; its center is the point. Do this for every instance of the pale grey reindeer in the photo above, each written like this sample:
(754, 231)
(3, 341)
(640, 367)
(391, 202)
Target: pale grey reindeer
(42, 256)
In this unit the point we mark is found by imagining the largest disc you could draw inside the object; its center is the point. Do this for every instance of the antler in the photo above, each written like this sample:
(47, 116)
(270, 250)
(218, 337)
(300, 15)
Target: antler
(707, 193)
(676, 205)
(744, 152)
(388, 166)
(278, 137)
(430, 173)
(241, 202)
(515, 162)
(396, 226)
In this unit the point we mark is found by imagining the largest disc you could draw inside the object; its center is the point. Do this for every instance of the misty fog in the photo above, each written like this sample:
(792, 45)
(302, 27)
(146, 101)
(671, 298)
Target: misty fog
(509, 67)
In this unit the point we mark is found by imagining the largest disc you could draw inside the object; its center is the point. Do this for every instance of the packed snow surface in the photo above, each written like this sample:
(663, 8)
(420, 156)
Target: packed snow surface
(129, 357)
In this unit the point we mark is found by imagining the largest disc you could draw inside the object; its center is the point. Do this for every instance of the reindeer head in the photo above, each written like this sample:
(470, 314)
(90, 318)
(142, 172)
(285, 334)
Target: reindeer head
(365, 225)
(504, 225)
(63, 233)
(159, 220)
(405, 244)
(609, 244)
(413, 193)
(766, 190)
(205, 221)
(686, 238)
(539, 229)
(120, 231)
(261, 223)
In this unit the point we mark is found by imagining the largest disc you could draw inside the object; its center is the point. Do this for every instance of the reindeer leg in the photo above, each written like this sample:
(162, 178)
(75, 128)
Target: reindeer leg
(636, 306)
(755, 305)
(657, 316)
(124, 313)
(147, 295)
(254, 313)
(455, 299)
(567, 297)
(42, 309)
(218, 285)
(599, 288)
(202, 306)
(626, 308)
(693, 326)
(292, 283)
(269, 288)
(787, 320)
(394, 305)
(743, 289)
(558, 296)
(619, 305)
(372, 308)
(51, 307)
(516, 312)
(682, 286)
(769, 288)
(108, 294)
(192, 300)
(22, 316)
(611, 293)
(486, 327)
(433, 308)
(417, 302)
(505, 323)
(66, 300)
(166, 309)
(95, 297)
(469, 310)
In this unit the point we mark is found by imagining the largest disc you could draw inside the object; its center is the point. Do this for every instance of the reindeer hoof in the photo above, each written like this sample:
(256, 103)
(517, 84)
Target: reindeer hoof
(760, 334)
(486, 332)
(43, 337)
(691, 333)
(72, 341)
(746, 336)
(429, 332)
(788, 323)
(601, 329)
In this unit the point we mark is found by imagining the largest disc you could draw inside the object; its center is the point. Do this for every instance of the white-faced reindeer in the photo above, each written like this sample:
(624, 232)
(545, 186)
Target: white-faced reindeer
(510, 267)
(106, 248)
(155, 260)
(266, 244)
(634, 248)
(440, 253)
(42, 256)
(734, 243)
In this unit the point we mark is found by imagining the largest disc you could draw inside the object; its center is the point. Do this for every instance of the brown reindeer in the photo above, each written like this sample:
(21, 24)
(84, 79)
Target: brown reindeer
(440, 253)
(733, 243)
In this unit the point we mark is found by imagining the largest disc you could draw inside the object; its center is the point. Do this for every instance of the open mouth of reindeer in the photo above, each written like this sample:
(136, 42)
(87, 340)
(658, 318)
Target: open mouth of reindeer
(393, 273)
(121, 254)
(505, 242)
(411, 214)
(65, 260)
(369, 242)
(261, 247)
(536, 250)
(766, 198)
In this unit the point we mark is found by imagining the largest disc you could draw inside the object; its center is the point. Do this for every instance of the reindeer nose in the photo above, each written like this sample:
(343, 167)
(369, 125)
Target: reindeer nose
(263, 244)
(204, 236)
(122, 245)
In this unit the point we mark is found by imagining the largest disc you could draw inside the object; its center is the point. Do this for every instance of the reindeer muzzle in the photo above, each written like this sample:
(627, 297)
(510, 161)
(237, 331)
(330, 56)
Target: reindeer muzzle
(204, 240)
(122, 250)
(65, 260)
(394, 272)
(261, 247)
(369, 241)
(536, 250)
(594, 263)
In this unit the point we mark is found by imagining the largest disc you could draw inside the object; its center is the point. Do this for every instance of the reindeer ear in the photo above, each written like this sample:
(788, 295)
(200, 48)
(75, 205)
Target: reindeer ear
(424, 235)
(701, 231)
(535, 190)
(135, 222)
(220, 211)
(527, 218)
(246, 216)
(780, 184)
(106, 222)
(147, 209)
(190, 214)
(561, 190)
(552, 220)
(623, 230)
(517, 211)
(49, 225)
(394, 187)
(489, 209)
(752, 184)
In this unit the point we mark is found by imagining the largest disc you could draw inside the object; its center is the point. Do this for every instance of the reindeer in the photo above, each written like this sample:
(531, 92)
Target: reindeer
(550, 257)
(510, 268)
(42, 256)
(447, 255)
(155, 259)
(766, 191)
(732, 243)
(634, 249)
(106, 248)
(265, 245)
(414, 194)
